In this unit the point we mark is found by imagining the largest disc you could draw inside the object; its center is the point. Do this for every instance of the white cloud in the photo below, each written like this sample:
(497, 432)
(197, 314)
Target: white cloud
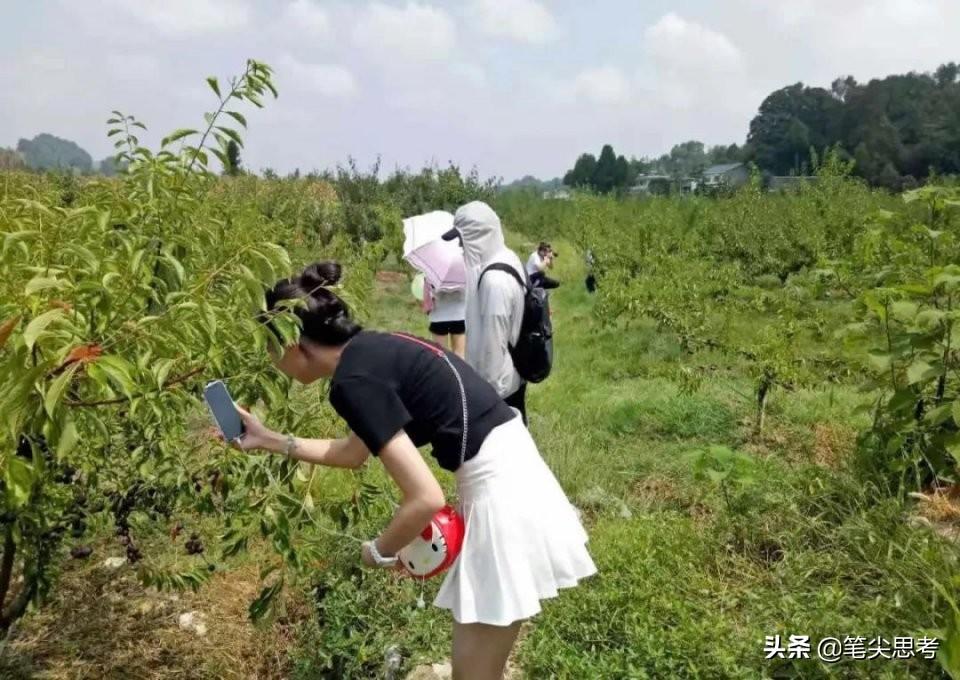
(525, 21)
(132, 67)
(414, 32)
(866, 38)
(329, 80)
(694, 68)
(683, 45)
(603, 85)
(186, 17)
(471, 74)
(306, 16)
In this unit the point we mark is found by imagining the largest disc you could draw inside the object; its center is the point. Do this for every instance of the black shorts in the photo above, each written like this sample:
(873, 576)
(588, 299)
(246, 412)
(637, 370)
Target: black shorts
(448, 327)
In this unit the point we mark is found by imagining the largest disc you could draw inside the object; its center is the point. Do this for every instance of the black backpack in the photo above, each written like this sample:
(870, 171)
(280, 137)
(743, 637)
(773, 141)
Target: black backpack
(533, 354)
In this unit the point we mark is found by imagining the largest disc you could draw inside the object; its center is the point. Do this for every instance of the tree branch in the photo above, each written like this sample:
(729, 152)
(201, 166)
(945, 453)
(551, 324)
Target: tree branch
(19, 605)
(122, 400)
(6, 566)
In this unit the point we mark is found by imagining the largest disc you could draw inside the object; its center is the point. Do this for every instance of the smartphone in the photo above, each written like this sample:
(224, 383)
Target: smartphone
(224, 410)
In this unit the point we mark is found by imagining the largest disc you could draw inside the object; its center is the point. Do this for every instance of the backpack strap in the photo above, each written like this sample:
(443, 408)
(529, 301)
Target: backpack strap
(503, 267)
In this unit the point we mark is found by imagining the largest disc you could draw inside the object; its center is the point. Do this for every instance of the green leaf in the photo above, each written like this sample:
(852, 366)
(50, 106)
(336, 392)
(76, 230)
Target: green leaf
(237, 117)
(903, 310)
(210, 318)
(118, 370)
(18, 477)
(921, 371)
(947, 280)
(38, 283)
(939, 415)
(36, 327)
(177, 266)
(948, 653)
(232, 134)
(929, 318)
(214, 85)
(162, 370)
(68, 439)
(902, 399)
(716, 476)
(260, 607)
(222, 157)
(55, 391)
(177, 135)
(880, 362)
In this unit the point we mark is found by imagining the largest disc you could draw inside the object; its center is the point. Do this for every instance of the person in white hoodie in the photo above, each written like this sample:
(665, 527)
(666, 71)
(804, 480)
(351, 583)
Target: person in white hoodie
(494, 304)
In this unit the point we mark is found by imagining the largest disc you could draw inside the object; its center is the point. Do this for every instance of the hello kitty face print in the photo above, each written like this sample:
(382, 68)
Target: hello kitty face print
(437, 546)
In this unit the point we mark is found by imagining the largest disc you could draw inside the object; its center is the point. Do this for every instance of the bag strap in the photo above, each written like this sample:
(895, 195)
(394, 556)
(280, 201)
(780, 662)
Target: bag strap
(437, 352)
(503, 267)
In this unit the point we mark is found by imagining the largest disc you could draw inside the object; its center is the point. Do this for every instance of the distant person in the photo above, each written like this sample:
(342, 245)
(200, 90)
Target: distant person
(447, 310)
(494, 304)
(524, 541)
(539, 261)
(591, 281)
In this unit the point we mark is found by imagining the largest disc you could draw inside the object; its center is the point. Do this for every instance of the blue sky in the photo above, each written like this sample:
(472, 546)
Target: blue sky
(509, 86)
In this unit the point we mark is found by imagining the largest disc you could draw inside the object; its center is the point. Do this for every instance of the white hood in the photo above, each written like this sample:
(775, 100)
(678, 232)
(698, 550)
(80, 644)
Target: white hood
(493, 319)
(482, 234)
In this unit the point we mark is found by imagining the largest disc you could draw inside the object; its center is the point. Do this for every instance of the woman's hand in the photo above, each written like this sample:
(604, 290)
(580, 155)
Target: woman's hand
(256, 435)
(366, 557)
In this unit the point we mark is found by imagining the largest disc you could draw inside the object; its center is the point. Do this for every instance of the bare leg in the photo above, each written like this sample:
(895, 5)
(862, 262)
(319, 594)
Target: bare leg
(459, 345)
(440, 340)
(480, 651)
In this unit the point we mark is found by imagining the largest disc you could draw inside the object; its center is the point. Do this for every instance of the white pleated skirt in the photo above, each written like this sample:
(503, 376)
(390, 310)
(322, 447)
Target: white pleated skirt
(523, 541)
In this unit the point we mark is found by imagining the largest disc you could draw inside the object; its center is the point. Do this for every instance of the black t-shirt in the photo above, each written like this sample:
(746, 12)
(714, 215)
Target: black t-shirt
(384, 384)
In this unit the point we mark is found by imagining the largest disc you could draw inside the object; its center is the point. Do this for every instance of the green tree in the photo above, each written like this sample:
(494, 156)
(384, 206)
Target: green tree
(47, 152)
(789, 122)
(582, 173)
(946, 74)
(605, 174)
(233, 164)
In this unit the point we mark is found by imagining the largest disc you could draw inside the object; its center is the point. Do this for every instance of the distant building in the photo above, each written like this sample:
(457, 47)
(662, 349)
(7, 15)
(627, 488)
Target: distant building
(788, 182)
(731, 175)
(647, 185)
(558, 194)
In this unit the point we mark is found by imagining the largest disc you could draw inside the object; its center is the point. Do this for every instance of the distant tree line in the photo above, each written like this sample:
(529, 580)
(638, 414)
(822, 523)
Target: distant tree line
(897, 129)
(47, 152)
(611, 172)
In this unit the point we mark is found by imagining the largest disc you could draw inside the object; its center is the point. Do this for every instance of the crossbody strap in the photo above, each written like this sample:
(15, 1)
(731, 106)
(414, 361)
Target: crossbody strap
(503, 267)
(436, 351)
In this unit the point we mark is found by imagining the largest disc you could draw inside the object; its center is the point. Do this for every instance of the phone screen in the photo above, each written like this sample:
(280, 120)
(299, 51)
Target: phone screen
(223, 409)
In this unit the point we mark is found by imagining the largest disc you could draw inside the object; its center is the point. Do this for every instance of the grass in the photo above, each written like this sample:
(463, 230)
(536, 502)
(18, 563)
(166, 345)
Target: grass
(688, 587)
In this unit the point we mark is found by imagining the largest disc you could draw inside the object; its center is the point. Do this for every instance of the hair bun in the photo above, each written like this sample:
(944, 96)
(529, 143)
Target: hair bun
(318, 274)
